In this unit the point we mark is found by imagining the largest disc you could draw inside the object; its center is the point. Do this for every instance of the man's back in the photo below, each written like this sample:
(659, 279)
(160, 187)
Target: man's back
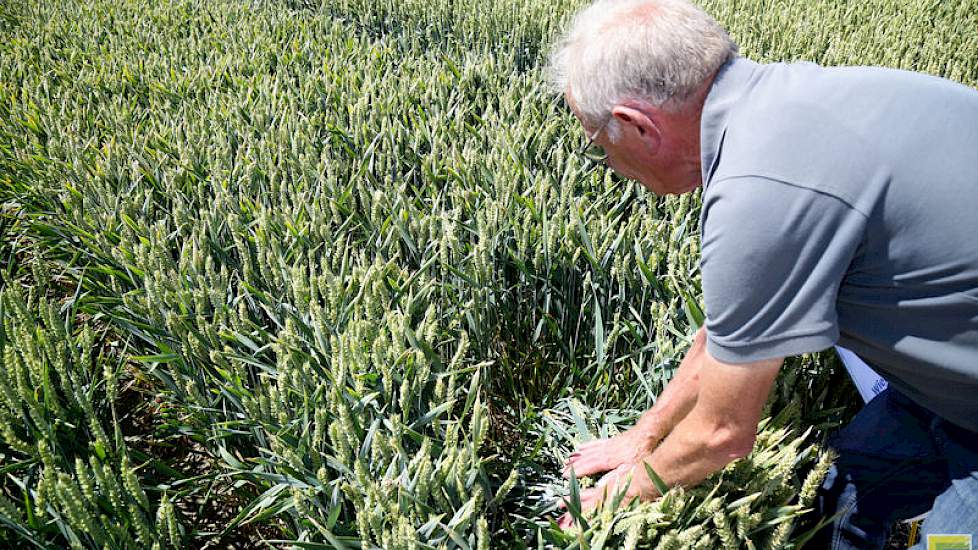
(856, 191)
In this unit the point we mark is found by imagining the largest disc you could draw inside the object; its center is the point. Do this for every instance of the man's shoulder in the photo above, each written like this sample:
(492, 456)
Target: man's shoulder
(847, 131)
(797, 128)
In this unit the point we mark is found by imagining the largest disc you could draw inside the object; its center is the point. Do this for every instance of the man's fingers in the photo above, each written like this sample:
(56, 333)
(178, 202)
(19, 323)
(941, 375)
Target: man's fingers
(586, 495)
(593, 457)
(562, 503)
(591, 443)
(592, 498)
(576, 455)
(610, 484)
(615, 475)
(581, 469)
(586, 465)
(587, 446)
(610, 476)
(572, 459)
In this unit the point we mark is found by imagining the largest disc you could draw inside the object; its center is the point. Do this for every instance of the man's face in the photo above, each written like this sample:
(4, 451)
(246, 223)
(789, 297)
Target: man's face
(630, 158)
(645, 151)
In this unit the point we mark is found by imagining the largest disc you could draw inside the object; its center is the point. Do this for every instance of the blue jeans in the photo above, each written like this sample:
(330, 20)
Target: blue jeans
(898, 460)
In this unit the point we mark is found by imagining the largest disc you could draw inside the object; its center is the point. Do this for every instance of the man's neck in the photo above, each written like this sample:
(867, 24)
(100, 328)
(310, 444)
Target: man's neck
(684, 120)
(693, 117)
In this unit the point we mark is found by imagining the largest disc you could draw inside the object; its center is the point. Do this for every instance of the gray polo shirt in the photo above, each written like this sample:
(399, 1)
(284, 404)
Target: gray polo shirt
(840, 205)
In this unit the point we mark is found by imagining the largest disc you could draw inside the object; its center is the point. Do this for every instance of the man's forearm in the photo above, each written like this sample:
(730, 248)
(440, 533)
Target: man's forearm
(679, 395)
(720, 428)
(713, 412)
(692, 451)
(674, 403)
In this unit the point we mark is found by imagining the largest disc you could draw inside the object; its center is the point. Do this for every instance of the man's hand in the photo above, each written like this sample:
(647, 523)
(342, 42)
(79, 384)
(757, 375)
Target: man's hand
(630, 477)
(719, 428)
(618, 454)
(672, 406)
(603, 455)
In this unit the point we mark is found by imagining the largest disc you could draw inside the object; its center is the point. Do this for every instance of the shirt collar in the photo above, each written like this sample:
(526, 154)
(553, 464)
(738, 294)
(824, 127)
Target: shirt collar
(732, 80)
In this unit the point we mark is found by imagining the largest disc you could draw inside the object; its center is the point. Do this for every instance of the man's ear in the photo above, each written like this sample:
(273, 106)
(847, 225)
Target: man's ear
(637, 123)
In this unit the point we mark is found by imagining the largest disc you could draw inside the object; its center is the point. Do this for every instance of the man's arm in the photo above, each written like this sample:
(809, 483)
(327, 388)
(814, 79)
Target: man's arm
(672, 405)
(720, 428)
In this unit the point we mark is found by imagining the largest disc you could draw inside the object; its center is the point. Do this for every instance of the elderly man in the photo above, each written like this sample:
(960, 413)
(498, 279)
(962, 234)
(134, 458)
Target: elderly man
(840, 205)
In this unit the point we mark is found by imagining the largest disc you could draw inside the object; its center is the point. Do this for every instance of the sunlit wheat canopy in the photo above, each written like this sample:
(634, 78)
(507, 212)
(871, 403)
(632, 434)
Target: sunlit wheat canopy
(331, 274)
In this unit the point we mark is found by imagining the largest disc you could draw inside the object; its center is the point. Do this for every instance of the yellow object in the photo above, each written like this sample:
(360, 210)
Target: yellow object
(949, 542)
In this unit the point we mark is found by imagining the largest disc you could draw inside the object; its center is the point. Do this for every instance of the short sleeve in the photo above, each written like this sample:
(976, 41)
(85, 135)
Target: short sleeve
(773, 257)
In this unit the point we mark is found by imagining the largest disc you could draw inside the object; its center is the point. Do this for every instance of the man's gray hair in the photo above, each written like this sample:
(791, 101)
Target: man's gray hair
(656, 50)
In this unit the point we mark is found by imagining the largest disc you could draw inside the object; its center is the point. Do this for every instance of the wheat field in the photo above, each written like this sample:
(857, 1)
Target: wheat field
(329, 274)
